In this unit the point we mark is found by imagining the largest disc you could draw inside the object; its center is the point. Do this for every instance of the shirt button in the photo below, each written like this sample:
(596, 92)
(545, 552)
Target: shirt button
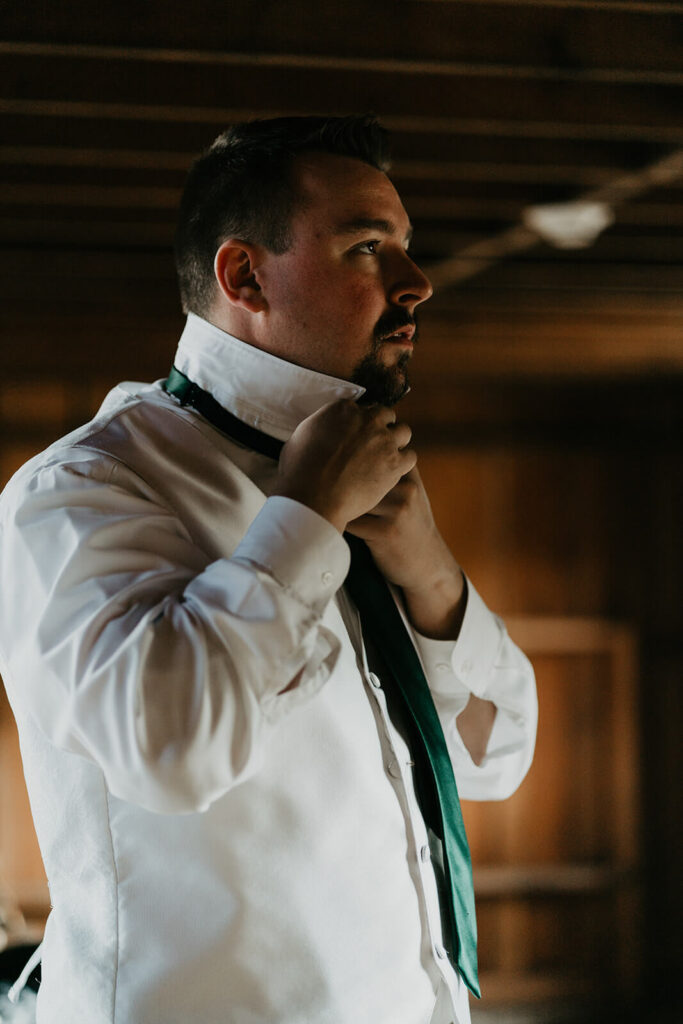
(443, 666)
(467, 667)
(424, 854)
(375, 680)
(326, 578)
(394, 769)
(440, 952)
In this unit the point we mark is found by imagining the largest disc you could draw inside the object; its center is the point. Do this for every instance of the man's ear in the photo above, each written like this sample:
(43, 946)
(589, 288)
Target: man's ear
(237, 277)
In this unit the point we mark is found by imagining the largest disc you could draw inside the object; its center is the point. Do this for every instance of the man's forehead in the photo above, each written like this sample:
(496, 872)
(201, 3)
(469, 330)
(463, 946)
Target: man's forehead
(386, 226)
(351, 195)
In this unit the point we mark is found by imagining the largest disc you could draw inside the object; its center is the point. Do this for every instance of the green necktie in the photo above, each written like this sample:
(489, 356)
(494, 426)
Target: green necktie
(390, 645)
(387, 635)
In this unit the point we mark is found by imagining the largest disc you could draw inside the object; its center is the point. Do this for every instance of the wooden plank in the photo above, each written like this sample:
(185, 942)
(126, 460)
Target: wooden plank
(32, 230)
(565, 636)
(372, 63)
(621, 244)
(457, 306)
(95, 159)
(491, 882)
(69, 163)
(506, 988)
(556, 350)
(503, 183)
(194, 118)
(461, 211)
(564, 276)
(444, 95)
(106, 197)
(190, 136)
(422, 208)
(574, 35)
(500, 145)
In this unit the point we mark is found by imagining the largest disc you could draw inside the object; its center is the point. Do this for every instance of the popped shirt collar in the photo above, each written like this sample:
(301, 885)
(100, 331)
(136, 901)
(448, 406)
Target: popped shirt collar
(261, 389)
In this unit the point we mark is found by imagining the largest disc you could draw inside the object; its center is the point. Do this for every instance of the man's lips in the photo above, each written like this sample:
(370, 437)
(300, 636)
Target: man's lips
(403, 335)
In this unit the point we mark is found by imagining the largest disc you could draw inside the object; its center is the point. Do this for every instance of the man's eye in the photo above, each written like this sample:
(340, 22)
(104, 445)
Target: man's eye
(368, 247)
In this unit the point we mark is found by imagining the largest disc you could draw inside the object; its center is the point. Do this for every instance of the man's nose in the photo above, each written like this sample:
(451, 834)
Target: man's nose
(409, 285)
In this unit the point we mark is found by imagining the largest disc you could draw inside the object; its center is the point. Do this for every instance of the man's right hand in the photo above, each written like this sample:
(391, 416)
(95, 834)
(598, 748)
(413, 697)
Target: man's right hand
(342, 460)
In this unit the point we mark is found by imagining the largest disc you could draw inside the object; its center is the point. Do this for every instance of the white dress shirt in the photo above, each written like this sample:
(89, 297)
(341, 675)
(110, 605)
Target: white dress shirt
(218, 850)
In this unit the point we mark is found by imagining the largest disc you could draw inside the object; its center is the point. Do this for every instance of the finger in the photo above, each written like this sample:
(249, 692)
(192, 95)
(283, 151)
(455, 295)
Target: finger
(409, 460)
(401, 433)
(382, 415)
(387, 506)
(394, 500)
(367, 527)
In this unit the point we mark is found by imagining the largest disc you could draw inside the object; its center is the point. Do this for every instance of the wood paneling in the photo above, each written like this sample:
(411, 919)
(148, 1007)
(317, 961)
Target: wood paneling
(563, 852)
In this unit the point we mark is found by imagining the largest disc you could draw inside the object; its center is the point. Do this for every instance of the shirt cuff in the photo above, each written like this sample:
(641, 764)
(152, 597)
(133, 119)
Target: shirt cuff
(470, 659)
(300, 549)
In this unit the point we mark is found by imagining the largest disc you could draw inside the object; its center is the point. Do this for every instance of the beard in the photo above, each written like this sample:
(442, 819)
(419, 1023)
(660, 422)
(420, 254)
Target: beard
(383, 384)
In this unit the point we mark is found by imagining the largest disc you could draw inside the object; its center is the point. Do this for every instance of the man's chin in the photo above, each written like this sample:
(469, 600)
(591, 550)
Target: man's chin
(385, 385)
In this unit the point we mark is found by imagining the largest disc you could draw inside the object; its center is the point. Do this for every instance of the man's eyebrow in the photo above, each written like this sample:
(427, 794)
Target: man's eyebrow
(358, 224)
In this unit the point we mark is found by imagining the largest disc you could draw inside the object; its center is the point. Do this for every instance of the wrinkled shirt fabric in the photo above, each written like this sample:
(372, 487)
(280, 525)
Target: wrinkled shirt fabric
(219, 850)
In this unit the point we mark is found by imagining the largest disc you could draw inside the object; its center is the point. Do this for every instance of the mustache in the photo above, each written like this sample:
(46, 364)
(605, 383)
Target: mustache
(393, 321)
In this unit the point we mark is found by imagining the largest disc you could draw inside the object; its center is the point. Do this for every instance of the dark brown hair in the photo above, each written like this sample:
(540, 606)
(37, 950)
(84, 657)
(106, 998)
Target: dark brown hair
(242, 186)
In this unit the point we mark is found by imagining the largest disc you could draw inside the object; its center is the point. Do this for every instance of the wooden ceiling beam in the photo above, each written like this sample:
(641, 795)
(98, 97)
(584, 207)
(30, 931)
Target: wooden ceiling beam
(65, 229)
(524, 302)
(611, 6)
(95, 158)
(458, 211)
(620, 244)
(354, 64)
(467, 97)
(489, 252)
(572, 35)
(32, 230)
(192, 118)
(402, 169)
(623, 278)
(461, 211)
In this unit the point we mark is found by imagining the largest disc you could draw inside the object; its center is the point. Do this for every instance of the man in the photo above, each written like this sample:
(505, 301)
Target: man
(227, 773)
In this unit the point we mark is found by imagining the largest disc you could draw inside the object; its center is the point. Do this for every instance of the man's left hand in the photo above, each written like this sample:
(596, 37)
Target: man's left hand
(411, 553)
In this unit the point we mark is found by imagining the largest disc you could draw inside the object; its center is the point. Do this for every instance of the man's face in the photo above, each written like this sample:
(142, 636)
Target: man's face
(342, 299)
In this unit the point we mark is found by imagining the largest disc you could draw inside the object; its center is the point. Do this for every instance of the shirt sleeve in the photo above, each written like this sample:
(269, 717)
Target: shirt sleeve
(127, 646)
(485, 662)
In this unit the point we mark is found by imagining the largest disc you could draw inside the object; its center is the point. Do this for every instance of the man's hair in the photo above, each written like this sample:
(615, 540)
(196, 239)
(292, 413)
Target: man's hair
(242, 186)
